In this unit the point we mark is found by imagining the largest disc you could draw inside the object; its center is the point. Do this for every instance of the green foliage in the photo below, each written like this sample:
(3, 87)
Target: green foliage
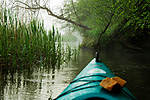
(120, 13)
(94, 14)
(138, 10)
(138, 15)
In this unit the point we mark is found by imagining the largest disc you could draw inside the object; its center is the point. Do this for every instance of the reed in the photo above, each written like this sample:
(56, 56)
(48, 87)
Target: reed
(22, 45)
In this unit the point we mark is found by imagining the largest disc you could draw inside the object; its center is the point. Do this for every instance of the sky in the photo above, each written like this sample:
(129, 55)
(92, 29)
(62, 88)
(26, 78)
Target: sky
(49, 21)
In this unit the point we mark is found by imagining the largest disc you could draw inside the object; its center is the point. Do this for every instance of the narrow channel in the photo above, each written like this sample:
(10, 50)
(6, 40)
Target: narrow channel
(133, 66)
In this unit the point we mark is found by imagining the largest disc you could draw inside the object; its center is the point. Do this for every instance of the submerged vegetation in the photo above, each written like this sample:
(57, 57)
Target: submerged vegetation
(22, 46)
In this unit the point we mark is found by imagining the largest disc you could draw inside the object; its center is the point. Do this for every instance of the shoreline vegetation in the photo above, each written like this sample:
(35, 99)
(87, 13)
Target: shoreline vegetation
(23, 46)
(112, 22)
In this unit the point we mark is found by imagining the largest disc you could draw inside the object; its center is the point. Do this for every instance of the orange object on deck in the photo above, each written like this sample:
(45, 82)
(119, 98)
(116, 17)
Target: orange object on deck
(120, 81)
(113, 84)
(108, 83)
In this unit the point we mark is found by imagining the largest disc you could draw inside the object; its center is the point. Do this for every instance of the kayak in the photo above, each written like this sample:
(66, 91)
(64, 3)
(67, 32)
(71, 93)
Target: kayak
(86, 85)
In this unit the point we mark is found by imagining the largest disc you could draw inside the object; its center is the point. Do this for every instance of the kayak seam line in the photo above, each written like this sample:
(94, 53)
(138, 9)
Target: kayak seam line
(71, 90)
(87, 76)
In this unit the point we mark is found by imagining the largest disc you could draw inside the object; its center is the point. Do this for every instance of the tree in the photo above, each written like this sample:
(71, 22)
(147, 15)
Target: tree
(111, 17)
(98, 14)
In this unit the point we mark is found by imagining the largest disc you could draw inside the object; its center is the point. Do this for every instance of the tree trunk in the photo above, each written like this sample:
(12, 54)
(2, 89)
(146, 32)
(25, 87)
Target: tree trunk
(103, 32)
(98, 43)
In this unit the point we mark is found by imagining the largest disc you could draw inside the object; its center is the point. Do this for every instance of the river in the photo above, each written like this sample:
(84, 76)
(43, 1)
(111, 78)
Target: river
(40, 84)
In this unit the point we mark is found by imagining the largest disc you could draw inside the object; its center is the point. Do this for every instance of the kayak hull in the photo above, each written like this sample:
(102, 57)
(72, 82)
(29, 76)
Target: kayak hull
(86, 85)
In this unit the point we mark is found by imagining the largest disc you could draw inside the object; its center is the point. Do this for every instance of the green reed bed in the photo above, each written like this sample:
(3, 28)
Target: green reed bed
(22, 46)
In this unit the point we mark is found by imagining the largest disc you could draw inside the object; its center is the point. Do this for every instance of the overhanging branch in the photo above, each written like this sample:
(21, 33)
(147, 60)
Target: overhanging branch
(52, 14)
(65, 19)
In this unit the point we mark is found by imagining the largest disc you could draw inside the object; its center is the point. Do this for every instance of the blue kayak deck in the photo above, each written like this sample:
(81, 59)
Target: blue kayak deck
(86, 85)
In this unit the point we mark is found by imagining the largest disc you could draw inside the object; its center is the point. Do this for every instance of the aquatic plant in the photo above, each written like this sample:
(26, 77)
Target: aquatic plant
(22, 45)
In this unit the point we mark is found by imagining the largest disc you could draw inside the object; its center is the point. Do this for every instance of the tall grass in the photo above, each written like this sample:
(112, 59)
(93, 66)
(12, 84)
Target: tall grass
(22, 46)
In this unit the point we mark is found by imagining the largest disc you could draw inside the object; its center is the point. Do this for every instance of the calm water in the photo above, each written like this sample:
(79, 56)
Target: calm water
(131, 65)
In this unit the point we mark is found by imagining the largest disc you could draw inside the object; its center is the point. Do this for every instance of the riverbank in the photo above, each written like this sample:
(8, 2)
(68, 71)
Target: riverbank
(135, 44)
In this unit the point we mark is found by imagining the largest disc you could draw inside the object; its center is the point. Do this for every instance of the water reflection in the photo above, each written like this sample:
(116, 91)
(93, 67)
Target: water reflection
(134, 66)
(38, 84)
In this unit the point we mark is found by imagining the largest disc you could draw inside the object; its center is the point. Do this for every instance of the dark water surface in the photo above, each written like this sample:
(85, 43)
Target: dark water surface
(133, 66)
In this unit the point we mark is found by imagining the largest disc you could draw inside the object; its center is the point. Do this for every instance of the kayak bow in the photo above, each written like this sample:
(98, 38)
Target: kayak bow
(86, 85)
